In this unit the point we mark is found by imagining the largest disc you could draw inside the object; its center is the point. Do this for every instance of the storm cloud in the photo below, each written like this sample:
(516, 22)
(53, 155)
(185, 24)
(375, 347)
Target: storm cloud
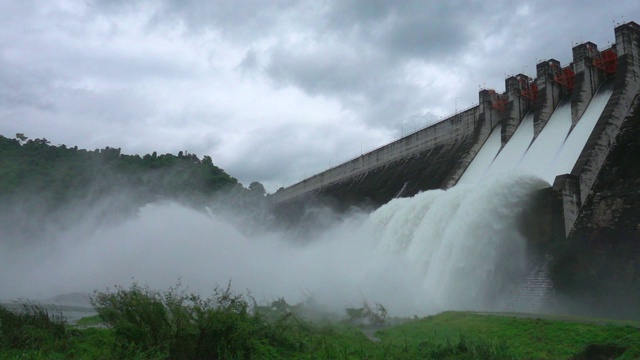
(272, 90)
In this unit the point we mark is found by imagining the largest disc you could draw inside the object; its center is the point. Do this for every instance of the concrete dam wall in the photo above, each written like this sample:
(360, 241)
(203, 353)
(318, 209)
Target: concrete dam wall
(586, 225)
(431, 158)
(437, 156)
(433, 150)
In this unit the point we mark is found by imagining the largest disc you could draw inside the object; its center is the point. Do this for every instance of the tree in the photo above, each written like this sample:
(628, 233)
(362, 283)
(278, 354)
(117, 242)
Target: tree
(257, 188)
(21, 137)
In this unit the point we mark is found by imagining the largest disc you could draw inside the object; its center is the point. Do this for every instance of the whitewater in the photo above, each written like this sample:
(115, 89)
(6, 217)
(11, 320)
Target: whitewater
(459, 249)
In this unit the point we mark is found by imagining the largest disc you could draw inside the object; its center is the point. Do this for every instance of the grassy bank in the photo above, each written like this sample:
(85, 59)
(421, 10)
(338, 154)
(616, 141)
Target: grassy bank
(519, 337)
(145, 324)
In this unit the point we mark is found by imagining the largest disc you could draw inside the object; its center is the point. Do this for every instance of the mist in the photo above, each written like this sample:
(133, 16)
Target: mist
(440, 250)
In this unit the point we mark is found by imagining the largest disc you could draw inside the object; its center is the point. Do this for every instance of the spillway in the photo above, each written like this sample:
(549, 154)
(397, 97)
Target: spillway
(544, 151)
(462, 244)
(478, 168)
(552, 153)
(568, 128)
(511, 154)
(466, 243)
(578, 137)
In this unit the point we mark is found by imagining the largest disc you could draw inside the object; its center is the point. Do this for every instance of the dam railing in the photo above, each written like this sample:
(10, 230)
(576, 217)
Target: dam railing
(455, 126)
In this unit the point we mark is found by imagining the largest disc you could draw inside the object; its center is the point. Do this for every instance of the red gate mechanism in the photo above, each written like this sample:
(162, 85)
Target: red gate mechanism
(607, 61)
(498, 101)
(528, 89)
(564, 76)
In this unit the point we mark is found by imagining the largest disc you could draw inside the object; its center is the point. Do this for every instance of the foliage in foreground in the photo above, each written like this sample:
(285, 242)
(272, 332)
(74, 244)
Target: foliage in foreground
(31, 326)
(178, 325)
(146, 324)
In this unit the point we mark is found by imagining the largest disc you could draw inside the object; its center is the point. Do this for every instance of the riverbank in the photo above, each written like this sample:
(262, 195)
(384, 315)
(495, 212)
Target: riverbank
(449, 335)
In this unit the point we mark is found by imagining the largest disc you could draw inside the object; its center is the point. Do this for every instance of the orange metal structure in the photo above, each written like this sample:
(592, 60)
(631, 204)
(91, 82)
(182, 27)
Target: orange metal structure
(607, 61)
(564, 76)
(498, 101)
(528, 89)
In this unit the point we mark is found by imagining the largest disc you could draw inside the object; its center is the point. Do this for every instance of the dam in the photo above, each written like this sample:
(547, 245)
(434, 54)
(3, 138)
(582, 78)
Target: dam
(576, 126)
(449, 152)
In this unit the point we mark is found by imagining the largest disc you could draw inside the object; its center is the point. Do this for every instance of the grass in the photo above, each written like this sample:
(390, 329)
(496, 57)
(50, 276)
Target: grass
(525, 338)
(146, 324)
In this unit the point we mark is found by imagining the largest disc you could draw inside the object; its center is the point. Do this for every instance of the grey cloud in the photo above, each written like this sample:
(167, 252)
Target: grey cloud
(325, 71)
(20, 87)
(409, 29)
(270, 153)
(356, 52)
(250, 61)
(365, 84)
(362, 55)
(352, 13)
(423, 38)
(366, 47)
(281, 155)
(237, 19)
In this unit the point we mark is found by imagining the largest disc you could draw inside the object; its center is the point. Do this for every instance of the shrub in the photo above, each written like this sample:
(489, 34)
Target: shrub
(137, 315)
(31, 326)
(178, 325)
(365, 315)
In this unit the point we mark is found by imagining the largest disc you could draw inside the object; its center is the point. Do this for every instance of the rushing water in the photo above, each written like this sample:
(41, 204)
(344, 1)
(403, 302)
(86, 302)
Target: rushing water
(455, 249)
(481, 163)
(509, 157)
(544, 150)
(436, 251)
(553, 152)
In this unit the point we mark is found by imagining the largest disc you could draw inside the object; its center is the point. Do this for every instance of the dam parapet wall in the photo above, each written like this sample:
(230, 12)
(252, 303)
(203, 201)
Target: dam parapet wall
(456, 129)
(431, 158)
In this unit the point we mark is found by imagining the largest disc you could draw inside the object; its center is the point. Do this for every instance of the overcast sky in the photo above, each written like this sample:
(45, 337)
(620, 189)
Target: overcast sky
(273, 91)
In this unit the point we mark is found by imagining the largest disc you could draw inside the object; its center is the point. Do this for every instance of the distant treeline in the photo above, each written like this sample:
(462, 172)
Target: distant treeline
(41, 179)
(36, 165)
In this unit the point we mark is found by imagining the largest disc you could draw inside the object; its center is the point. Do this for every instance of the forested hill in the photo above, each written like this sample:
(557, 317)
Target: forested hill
(36, 165)
(41, 179)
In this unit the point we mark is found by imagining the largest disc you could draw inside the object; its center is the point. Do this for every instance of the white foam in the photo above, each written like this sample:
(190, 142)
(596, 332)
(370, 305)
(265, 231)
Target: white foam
(553, 152)
(462, 242)
(541, 155)
(511, 154)
(578, 137)
(456, 249)
(481, 162)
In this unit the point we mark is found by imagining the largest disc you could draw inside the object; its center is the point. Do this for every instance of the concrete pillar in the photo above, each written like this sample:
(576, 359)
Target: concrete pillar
(587, 80)
(492, 116)
(627, 38)
(549, 94)
(486, 118)
(566, 202)
(517, 106)
(626, 87)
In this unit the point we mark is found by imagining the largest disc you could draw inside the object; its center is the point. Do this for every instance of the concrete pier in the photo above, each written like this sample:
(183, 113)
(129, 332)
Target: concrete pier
(549, 94)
